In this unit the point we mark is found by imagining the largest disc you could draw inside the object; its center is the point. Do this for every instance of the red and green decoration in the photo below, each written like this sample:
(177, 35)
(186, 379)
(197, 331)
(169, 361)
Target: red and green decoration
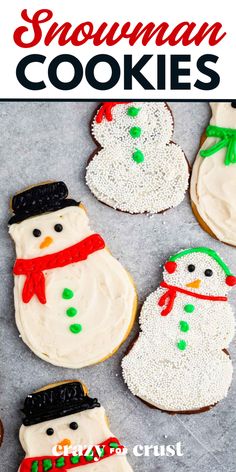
(168, 298)
(227, 139)
(135, 131)
(63, 463)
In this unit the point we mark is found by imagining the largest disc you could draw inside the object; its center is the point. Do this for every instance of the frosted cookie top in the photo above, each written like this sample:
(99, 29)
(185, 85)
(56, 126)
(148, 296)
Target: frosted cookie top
(138, 168)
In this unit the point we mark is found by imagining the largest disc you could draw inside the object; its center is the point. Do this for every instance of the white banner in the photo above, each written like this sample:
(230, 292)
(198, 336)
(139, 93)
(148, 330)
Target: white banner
(146, 49)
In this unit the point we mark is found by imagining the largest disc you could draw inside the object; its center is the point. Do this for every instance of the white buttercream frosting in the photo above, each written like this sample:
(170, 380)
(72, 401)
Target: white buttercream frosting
(104, 295)
(213, 184)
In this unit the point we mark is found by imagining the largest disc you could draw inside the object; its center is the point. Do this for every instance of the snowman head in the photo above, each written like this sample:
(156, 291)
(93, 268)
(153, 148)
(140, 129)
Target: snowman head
(132, 124)
(199, 270)
(223, 114)
(45, 220)
(61, 415)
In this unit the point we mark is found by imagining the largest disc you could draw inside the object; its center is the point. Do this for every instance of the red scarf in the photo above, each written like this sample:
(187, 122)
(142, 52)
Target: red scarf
(169, 296)
(39, 464)
(33, 268)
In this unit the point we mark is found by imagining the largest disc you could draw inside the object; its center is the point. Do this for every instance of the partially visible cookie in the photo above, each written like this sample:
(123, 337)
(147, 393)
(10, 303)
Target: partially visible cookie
(180, 363)
(214, 175)
(137, 168)
(59, 419)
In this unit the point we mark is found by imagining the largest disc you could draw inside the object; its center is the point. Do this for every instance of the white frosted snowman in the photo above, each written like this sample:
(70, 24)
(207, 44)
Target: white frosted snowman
(179, 362)
(64, 429)
(213, 187)
(137, 168)
(74, 302)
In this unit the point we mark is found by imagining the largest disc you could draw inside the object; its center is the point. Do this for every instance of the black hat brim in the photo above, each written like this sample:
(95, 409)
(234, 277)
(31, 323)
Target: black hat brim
(19, 217)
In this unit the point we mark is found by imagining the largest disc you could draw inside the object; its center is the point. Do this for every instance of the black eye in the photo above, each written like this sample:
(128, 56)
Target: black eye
(74, 425)
(191, 268)
(208, 272)
(58, 228)
(37, 233)
(50, 431)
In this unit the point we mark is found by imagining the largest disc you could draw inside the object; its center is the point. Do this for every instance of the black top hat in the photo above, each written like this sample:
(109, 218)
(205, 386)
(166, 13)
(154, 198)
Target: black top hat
(40, 199)
(55, 402)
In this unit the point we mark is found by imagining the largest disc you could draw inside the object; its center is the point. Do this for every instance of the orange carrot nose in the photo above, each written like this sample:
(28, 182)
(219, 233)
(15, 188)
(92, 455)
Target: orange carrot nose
(46, 242)
(62, 444)
(195, 284)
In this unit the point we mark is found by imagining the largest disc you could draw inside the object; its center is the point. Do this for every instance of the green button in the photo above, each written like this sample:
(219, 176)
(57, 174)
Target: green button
(71, 312)
(135, 132)
(138, 156)
(60, 462)
(89, 456)
(76, 328)
(47, 465)
(184, 326)
(34, 466)
(182, 345)
(114, 445)
(74, 459)
(67, 294)
(189, 308)
(133, 111)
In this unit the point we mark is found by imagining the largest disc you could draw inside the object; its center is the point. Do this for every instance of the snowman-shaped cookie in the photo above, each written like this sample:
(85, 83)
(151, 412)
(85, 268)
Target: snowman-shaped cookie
(74, 302)
(179, 362)
(137, 168)
(64, 429)
(213, 181)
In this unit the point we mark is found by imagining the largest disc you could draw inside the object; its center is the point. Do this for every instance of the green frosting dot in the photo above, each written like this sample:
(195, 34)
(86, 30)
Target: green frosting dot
(184, 326)
(76, 328)
(135, 132)
(74, 459)
(89, 456)
(60, 462)
(71, 312)
(34, 466)
(133, 111)
(138, 156)
(182, 345)
(114, 445)
(189, 308)
(47, 465)
(67, 294)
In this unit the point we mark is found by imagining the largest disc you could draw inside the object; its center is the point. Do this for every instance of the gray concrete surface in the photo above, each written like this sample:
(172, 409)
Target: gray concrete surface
(41, 141)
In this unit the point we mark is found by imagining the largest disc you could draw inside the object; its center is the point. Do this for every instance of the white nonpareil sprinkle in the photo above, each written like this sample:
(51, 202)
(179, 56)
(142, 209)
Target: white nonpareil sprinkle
(166, 377)
(154, 185)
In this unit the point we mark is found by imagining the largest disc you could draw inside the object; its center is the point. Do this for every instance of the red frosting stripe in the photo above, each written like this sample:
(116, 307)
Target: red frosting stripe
(106, 111)
(33, 268)
(169, 296)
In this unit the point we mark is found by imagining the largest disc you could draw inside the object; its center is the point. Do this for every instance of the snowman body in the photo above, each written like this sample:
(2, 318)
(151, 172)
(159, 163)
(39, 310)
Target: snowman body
(157, 369)
(138, 168)
(90, 304)
(213, 182)
(92, 430)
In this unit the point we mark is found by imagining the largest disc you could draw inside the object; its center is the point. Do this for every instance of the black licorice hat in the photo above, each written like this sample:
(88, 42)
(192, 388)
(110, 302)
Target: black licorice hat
(56, 402)
(42, 198)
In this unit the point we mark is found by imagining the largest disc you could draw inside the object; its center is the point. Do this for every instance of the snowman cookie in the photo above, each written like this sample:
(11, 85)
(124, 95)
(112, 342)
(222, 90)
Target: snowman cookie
(179, 362)
(64, 429)
(214, 175)
(137, 169)
(74, 302)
